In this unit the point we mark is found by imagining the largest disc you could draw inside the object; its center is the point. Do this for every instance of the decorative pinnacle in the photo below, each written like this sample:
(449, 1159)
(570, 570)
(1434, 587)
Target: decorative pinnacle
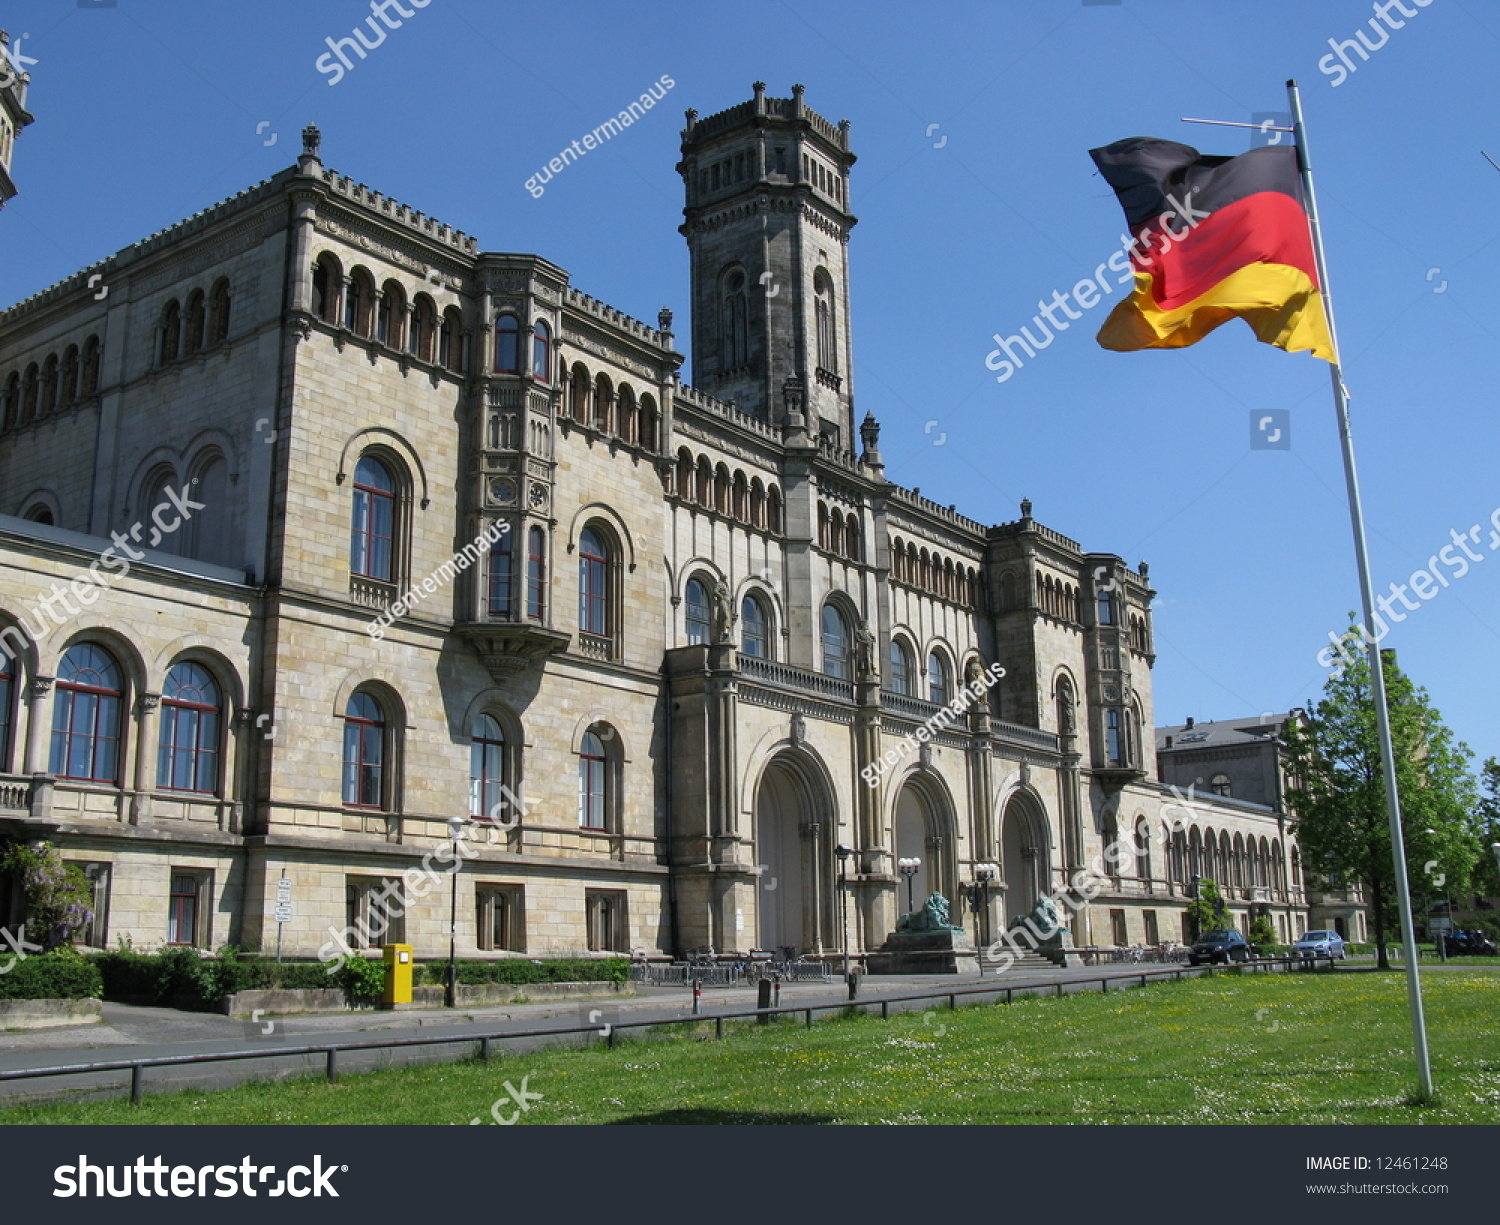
(312, 140)
(1026, 508)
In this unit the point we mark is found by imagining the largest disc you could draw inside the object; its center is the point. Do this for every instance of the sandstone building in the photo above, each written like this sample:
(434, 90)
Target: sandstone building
(706, 616)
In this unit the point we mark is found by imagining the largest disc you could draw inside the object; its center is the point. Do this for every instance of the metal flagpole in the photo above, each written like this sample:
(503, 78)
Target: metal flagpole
(1362, 562)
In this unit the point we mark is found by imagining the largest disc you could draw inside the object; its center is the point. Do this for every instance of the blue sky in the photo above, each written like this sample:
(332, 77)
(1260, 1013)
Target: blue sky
(149, 111)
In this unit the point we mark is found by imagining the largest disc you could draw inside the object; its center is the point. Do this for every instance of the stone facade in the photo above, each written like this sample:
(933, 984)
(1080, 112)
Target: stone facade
(714, 646)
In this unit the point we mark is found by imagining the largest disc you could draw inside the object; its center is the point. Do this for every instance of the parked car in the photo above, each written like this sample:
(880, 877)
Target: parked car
(1320, 944)
(1224, 945)
(1469, 944)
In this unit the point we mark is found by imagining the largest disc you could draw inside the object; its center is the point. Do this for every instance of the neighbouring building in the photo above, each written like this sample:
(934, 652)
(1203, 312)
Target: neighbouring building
(706, 616)
(13, 115)
(1240, 764)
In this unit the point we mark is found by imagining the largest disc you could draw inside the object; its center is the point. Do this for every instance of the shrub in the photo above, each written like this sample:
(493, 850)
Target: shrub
(52, 976)
(359, 977)
(519, 971)
(59, 898)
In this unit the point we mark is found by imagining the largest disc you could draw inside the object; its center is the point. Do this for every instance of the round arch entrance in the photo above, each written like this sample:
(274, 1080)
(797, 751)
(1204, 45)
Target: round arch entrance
(1023, 856)
(923, 830)
(793, 846)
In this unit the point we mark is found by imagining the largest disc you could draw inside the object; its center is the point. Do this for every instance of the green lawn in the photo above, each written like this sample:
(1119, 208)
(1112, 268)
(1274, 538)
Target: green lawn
(1303, 1048)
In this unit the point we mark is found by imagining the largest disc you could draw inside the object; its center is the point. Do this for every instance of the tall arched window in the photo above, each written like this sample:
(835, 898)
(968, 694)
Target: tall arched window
(389, 313)
(486, 768)
(508, 345)
(900, 680)
(373, 530)
(49, 384)
(1106, 608)
(828, 358)
(755, 628)
(593, 782)
(197, 318)
(69, 391)
(450, 347)
(1220, 785)
(188, 753)
(698, 615)
(8, 673)
(90, 366)
(357, 303)
(87, 716)
(171, 333)
(218, 319)
(423, 330)
(734, 337)
(364, 752)
(541, 352)
(325, 289)
(500, 576)
(536, 574)
(836, 643)
(939, 682)
(593, 584)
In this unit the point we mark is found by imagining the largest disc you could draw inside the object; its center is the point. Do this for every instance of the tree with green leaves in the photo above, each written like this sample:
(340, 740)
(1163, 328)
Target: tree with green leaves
(1487, 878)
(1338, 792)
(1207, 911)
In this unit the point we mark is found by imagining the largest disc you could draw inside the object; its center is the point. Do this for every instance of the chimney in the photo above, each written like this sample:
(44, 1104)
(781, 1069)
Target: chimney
(1189, 723)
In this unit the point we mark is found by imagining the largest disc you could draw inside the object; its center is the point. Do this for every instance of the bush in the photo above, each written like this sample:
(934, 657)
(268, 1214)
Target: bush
(360, 978)
(52, 976)
(184, 977)
(520, 971)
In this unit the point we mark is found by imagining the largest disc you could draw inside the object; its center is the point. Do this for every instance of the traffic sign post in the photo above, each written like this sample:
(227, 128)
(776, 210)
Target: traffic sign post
(283, 911)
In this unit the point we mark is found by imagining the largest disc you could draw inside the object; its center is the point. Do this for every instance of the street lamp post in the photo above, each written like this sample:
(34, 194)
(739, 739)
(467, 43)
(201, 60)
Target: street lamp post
(843, 852)
(450, 997)
(909, 869)
(984, 873)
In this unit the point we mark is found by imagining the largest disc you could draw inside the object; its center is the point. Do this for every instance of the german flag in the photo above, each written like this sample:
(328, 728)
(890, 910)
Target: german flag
(1213, 239)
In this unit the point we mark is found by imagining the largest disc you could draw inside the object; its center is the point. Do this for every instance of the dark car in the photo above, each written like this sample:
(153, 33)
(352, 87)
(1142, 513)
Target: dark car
(1469, 944)
(1224, 945)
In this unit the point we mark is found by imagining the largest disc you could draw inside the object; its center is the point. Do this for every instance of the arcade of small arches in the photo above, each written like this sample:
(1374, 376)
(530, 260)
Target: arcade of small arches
(936, 575)
(385, 316)
(56, 383)
(599, 405)
(193, 328)
(747, 501)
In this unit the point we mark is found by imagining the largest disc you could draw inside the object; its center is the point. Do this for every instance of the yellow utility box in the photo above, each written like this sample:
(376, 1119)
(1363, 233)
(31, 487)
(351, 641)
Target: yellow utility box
(398, 965)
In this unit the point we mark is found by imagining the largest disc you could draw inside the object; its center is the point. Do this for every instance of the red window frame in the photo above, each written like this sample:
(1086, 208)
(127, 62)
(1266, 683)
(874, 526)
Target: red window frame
(203, 751)
(183, 903)
(507, 345)
(361, 766)
(536, 574)
(365, 536)
(68, 711)
(593, 782)
(486, 751)
(593, 584)
(541, 352)
(501, 596)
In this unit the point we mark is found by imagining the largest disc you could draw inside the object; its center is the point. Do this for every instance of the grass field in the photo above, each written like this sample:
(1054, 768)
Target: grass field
(1252, 1049)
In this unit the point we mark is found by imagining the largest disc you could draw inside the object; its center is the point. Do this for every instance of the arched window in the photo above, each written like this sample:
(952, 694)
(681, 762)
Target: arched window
(1220, 785)
(773, 509)
(734, 337)
(364, 752)
(1106, 608)
(757, 503)
(486, 768)
(40, 513)
(423, 329)
(501, 557)
(593, 782)
(359, 302)
(536, 574)
(835, 643)
(627, 424)
(90, 366)
(541, 352)
(604, 403)
(450, 348)
(939, 683)
(593, 584)
(698, 614)
(828, 358)
(325, 289)
(196, 320)
(508, 345)
(171, 333)
(28, 394)
(188, 752)
(650, 424)
(704, 493)
(12, 407)
(578, 396)
(389, 314)
(900, 668)
(755, 628)
(87, 716)
(49, 384)
(218, 320)
(8, 674)
(206, 534)
(684, 475)
(69, 391)
(373, 530)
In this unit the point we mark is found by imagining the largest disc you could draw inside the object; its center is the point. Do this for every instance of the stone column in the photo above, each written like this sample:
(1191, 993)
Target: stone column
(36, 725)
(144, 781)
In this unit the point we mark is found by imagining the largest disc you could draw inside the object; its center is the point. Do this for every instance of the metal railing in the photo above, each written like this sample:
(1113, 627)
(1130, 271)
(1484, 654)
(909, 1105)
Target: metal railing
(330, 1051)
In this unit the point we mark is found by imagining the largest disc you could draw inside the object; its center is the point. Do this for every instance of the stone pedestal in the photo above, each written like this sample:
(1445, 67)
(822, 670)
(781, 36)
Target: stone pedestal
(943, 952)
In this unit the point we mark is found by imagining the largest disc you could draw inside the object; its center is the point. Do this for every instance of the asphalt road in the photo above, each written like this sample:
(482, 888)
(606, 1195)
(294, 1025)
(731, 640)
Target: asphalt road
(131, 1032)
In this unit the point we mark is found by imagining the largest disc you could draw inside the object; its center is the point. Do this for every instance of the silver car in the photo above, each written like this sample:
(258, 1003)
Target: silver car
(1320, 944)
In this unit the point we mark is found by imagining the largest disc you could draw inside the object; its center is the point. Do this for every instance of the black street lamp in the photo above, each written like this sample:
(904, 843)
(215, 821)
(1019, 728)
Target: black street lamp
(909, 869)
(450, 996)
(984, 873)
(843, 852)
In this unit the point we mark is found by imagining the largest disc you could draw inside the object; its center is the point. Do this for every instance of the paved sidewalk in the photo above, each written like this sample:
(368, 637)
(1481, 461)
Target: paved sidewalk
(130, 1032)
